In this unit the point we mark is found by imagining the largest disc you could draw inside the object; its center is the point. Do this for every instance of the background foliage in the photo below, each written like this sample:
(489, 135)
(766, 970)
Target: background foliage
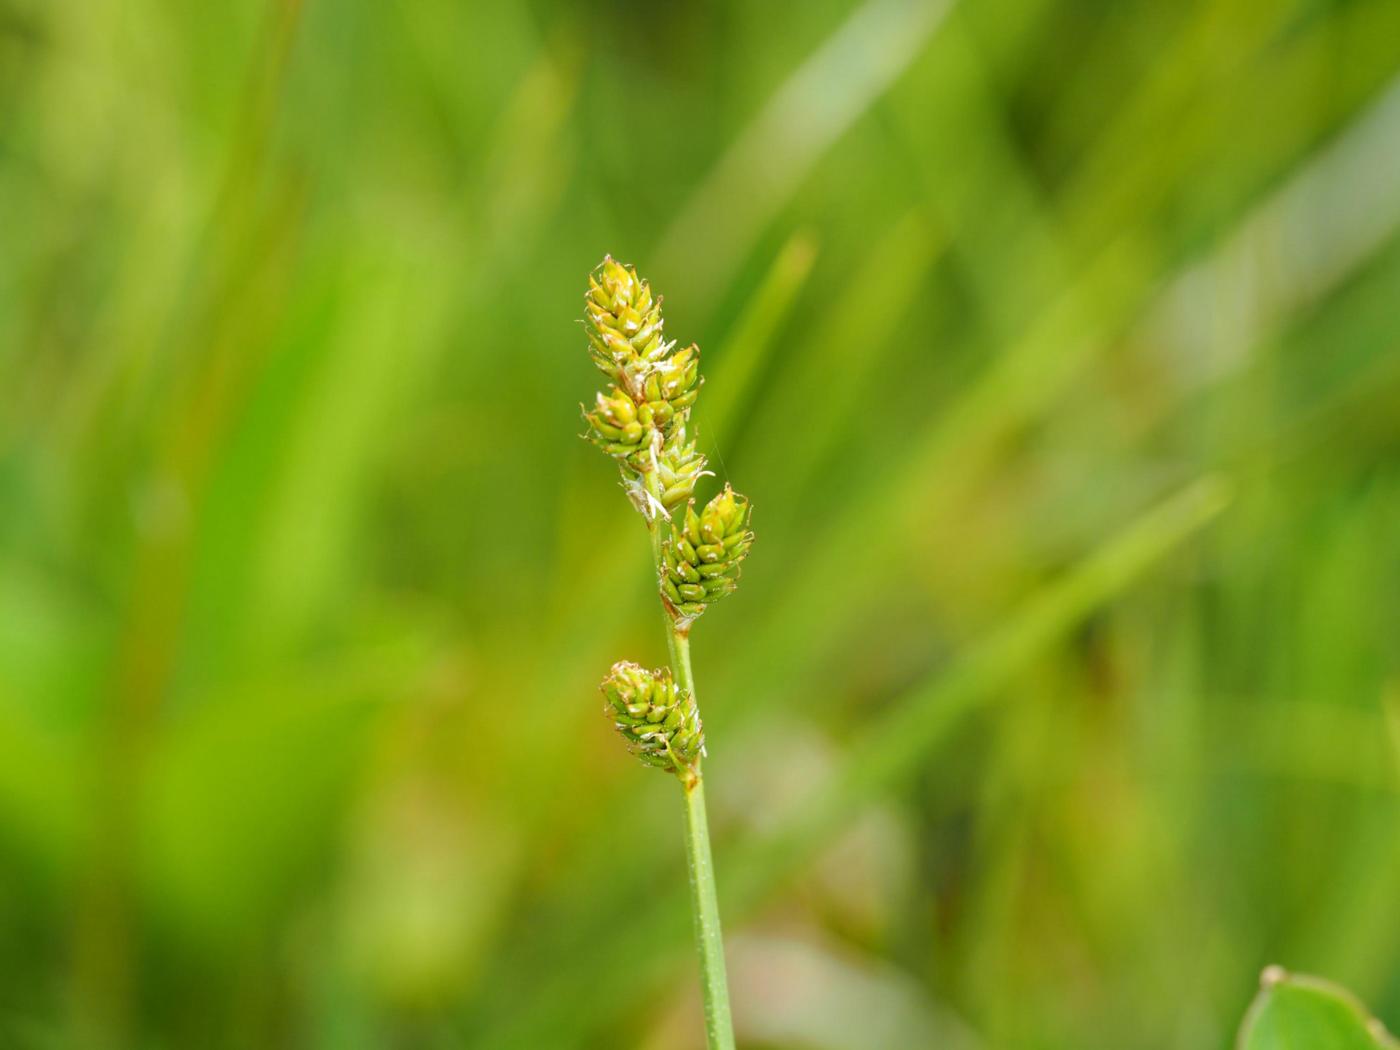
(1055, 343)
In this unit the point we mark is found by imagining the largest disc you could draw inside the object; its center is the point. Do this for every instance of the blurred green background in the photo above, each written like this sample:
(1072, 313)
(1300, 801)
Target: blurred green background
(1057, 344)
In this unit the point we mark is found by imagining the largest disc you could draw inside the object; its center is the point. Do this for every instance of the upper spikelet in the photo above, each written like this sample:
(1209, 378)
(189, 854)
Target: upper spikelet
(624, 322)
(654, 384)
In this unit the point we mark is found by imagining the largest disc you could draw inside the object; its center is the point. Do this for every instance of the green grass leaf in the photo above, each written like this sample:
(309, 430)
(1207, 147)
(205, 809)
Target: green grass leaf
(1293, 1012)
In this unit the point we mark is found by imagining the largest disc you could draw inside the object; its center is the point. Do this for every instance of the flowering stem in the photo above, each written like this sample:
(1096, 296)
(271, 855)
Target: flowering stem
(719, 1028)
(704, 901)
(640, 421)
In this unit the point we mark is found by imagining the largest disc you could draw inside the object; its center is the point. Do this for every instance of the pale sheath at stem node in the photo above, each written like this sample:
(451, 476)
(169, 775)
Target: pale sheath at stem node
(641, 421)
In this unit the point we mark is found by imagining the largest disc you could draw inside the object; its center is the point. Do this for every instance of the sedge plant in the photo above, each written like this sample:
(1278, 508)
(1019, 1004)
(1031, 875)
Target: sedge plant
(642, 420)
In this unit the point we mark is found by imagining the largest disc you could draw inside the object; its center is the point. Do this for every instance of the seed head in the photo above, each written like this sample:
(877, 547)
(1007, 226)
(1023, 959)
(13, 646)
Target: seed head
(702, 555)
(658, 719)
(653, 385)
(624, 324)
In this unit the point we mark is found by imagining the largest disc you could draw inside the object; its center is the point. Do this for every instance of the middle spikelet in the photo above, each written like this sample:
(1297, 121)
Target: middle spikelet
(703, 553)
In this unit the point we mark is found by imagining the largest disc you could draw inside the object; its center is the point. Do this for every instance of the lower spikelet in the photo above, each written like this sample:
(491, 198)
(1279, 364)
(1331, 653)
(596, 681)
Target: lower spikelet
(658, 719)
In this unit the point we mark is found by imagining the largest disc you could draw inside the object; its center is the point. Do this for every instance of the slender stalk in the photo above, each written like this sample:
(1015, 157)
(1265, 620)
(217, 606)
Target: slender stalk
(704, 901)
(719, 1027)
(654, 527)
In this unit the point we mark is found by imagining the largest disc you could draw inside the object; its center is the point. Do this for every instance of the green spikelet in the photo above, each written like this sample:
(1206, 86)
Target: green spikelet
(654, 386)
(702, 555)
(624, 324)
(679, 467)
(658, 719)
(615, 425)
(671, 387)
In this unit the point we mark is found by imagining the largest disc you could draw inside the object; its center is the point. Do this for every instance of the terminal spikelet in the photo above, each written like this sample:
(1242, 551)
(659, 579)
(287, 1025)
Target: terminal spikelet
(658, 719)
(702, 555)
(653, 384)
(624, 324)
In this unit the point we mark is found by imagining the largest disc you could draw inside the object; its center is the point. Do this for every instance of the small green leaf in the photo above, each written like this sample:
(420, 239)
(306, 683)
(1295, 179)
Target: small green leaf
(1293, 1012)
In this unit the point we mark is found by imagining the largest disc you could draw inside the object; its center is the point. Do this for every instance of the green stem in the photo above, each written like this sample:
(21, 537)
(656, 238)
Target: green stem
(709, 941)
(704, 901)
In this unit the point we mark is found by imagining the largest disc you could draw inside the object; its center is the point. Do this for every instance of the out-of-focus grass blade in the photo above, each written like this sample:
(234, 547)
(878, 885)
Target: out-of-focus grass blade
(955, 449)
(828, 378)
(1293, 249)
(976, 181)
(231, 790)
(51, 657)
(764, 165)
(1392, 721)
(891, 750)
(1121, 178)
(1095, 307)
(229, 802)
(1028, 376)
(41, 780)
(924, 718)
(1170, 129)
(527, 169)
(742, 355)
